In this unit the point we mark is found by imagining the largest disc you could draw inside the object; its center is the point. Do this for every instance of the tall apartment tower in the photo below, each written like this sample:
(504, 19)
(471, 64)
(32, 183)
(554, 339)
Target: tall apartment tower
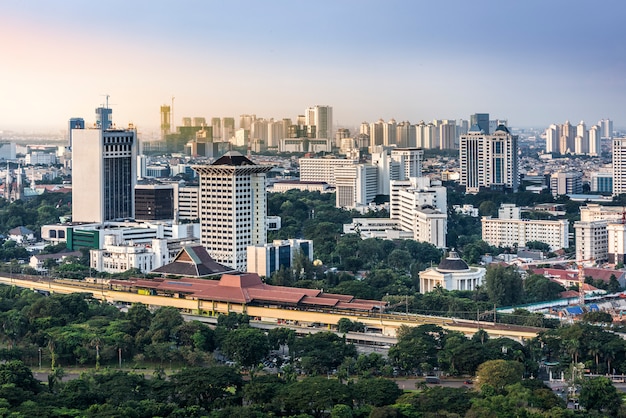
(376, 133)
(489, 161)
(567, 139)
(481, 120)
(594, 140)
(104, 172)
(619, 166)
(322, 118)
(232, 206)
(606, 128)
(552, 138)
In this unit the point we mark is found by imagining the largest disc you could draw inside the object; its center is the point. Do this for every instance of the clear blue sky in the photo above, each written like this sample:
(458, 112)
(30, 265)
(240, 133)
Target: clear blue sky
(533, 62)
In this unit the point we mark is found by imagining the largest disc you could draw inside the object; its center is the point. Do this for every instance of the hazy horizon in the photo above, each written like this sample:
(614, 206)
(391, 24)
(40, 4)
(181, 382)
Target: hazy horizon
(533, 63)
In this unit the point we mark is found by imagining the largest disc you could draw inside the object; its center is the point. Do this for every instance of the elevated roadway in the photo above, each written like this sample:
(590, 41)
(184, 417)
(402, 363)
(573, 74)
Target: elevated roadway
(384, 325)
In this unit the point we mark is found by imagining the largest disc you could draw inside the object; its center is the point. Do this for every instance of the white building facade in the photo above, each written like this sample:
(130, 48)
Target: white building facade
(233, 208)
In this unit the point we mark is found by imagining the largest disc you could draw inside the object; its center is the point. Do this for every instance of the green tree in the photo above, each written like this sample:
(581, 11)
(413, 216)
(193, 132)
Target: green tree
(499, 373)
(538, 288)
(600, 395)
(504, 285)
(207, 387)
(376, 391)
(247, 346)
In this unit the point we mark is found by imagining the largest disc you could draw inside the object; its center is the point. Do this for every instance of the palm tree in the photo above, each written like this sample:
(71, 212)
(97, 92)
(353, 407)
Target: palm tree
(573, 349)
(594, 350)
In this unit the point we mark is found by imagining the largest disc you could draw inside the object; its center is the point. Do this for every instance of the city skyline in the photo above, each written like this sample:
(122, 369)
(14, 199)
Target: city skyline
(534, 63)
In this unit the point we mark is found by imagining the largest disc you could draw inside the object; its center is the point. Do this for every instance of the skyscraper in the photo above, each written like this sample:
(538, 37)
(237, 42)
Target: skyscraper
(619, 166)
(233, 210)
(489, 161)
(481, 120)
(606, 128)
(166, 121)
(103, 171)
(322, 118)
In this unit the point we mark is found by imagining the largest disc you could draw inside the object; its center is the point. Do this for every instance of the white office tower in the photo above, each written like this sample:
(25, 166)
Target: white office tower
(594, 140)
(619, 166)
(376, 133)
(104, 172)
(421, 208)
(355, 185)
(489, 161)
(552, 139)
(410, 160)
(426, 135)
(233, 209)
(606, 128)
(322, 118)
(581, 142)
(389, 133)
(405, 135)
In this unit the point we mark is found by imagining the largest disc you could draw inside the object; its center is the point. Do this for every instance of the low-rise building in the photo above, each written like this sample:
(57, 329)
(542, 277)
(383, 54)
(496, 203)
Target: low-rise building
(452, 273)
(510, 230)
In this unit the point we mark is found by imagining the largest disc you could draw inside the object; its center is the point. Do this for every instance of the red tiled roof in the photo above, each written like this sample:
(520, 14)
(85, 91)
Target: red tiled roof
(248, 287)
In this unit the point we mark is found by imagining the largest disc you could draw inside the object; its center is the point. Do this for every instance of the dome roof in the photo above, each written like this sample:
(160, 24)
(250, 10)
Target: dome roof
(453, 263)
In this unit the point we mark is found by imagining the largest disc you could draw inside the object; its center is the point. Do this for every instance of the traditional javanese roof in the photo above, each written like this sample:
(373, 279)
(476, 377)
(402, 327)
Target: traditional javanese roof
(193, 261)
(249, 288)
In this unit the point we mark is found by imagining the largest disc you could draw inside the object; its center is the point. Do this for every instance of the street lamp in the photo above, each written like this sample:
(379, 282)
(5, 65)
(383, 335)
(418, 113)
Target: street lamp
(39, 357)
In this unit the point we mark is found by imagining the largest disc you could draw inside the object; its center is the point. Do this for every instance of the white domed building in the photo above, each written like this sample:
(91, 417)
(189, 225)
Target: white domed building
(452, 273)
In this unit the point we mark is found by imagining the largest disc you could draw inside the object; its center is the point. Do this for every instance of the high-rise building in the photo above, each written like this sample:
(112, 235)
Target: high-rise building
(103, 172)
(426, 135)
(567, 143)
(154, 201)
(166, 121)
(594, 140)
(447, 134)
(619, 166)
(245, 121)
(376, 133)
(233, 209)
(322, 118)
(410, 160)
(553, 133)
(421, 208)
(564, 183)
(606, 128)
(405, 135)
(356, 185)
(489, 161)
(481, 120)
(389, 133)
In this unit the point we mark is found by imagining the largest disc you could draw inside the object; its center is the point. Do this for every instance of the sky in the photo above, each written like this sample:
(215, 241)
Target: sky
(532, 62)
